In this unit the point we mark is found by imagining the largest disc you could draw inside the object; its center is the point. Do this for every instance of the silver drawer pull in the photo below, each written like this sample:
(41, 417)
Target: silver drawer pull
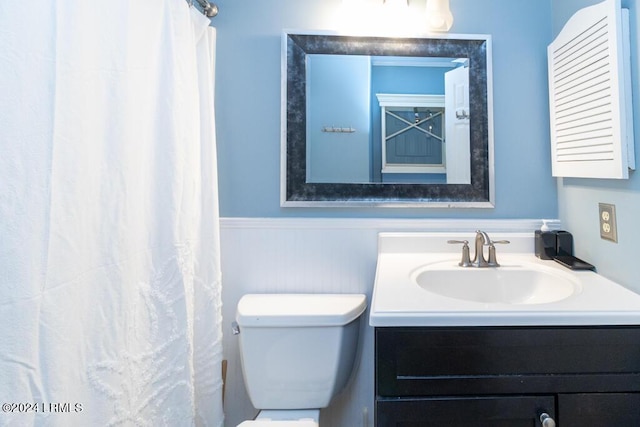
(546, 420)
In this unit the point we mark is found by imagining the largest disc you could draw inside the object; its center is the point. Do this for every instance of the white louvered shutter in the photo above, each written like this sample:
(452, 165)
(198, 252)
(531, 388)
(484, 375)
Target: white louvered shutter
(590, 95)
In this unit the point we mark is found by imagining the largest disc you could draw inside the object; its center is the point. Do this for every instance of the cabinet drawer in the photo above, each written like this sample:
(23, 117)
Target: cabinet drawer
(516, 411)
(502, 360)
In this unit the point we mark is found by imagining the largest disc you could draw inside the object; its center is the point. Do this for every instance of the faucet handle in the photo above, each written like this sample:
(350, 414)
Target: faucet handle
(493, 261)
(466, 259)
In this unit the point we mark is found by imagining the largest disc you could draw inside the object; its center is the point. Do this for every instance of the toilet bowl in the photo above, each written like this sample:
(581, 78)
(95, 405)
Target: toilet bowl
(297, 352)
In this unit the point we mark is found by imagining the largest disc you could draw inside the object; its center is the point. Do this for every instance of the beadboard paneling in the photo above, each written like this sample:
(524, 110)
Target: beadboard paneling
(279, 255)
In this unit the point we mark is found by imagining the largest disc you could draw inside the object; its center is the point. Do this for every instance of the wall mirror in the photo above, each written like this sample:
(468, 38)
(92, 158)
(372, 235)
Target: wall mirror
(386, 121)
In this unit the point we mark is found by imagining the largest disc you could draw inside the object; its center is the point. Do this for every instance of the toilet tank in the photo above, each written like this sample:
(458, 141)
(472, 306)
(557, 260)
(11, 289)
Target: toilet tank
(297, 350)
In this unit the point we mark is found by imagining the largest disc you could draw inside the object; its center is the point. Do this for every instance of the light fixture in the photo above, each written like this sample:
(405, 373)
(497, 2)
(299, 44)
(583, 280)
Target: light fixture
(396, 3)
(439, 17)
(354, 3)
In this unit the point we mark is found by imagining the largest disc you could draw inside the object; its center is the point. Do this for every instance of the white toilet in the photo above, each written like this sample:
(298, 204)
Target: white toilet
(297, 353)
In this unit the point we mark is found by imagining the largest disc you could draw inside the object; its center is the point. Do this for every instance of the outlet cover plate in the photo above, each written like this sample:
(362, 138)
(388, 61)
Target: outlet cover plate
(608, 227)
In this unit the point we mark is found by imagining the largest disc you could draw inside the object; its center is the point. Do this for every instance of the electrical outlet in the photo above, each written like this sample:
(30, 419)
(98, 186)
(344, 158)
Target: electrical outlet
(608, 228)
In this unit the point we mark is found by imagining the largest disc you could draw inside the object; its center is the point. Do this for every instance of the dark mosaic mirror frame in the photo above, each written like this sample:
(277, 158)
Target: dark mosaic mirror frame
(295, 191)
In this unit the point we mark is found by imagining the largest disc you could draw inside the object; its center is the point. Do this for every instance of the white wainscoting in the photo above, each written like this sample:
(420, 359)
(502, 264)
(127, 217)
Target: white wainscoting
(279, 255)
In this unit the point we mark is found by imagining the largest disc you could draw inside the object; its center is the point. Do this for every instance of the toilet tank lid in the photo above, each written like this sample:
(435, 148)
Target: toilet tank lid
(291, 310)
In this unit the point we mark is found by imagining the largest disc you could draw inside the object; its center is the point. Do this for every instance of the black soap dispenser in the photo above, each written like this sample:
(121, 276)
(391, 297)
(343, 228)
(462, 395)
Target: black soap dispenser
(545, 242)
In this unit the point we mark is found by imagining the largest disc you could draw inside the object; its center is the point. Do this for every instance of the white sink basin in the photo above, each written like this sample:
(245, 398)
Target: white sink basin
(505, 285)
(419, 283)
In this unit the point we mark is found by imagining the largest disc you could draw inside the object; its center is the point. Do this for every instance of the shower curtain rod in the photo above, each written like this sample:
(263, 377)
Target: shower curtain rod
(209, 9)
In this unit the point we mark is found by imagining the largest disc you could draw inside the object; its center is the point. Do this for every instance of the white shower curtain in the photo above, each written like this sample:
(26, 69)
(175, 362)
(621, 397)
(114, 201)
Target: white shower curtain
(109, 238)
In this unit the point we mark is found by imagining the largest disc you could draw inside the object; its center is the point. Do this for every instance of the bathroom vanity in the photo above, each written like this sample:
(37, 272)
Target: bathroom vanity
(507, 376)
(469, 346)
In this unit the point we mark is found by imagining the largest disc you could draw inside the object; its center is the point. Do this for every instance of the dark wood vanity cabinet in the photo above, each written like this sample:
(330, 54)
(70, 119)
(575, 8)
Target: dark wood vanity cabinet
(507, 376)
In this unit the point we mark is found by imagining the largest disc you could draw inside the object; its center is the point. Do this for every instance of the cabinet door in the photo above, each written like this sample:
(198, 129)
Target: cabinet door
(516, 411)
(599, 410)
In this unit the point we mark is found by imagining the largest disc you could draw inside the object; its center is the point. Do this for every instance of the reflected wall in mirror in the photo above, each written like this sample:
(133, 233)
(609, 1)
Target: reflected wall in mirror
(386, 121)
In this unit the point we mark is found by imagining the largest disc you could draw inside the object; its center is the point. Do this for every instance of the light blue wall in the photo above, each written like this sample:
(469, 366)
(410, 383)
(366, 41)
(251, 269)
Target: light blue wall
(579, 198)
(248, 105)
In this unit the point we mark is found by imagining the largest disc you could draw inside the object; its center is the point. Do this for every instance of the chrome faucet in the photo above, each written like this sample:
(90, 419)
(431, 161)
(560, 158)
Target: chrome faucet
(482, 240)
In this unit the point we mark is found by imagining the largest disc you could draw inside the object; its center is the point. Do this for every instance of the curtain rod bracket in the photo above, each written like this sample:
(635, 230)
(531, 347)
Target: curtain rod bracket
(209, 9)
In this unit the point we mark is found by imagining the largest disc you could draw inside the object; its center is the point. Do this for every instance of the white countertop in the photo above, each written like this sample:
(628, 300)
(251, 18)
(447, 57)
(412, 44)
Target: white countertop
(399, 301)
